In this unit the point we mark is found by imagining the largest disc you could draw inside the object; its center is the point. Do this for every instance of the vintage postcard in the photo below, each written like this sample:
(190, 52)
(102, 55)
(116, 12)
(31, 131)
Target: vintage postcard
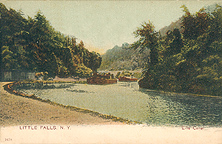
(110, 72)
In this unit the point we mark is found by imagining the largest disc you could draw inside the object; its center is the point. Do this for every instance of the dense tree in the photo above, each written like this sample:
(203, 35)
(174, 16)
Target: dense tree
(147, 39)
(194, 25)
(191, 62)
(176, 44)
(94, 61)
(33, 44)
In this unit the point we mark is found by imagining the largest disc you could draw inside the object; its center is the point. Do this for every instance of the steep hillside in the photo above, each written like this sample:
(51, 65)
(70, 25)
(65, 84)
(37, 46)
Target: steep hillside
(123, 58)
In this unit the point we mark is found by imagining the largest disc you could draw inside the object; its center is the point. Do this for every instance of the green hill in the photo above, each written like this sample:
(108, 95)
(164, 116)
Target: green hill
(123, 58)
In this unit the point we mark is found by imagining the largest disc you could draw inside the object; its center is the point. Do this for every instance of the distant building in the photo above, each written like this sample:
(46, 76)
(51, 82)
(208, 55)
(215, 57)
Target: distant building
(15, 75)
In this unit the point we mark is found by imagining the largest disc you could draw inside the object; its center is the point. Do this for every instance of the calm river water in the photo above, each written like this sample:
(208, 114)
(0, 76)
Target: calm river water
(127, 100)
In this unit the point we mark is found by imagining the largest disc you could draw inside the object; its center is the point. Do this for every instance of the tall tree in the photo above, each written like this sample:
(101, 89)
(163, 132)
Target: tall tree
(194, 25)
(174, 42)
(41, 47)
(94, 61)
(147, 39)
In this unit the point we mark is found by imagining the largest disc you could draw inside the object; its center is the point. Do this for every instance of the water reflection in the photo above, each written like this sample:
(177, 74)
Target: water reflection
(187, 109)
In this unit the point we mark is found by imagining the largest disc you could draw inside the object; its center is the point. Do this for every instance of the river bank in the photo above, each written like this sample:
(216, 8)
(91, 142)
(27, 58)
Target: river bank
(17, 110)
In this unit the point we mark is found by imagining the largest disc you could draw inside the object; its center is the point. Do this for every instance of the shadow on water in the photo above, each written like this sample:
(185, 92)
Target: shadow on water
(182, 109)
(78, 91)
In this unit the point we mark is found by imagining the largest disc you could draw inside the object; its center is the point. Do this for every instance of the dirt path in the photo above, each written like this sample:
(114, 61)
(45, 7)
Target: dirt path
(16, 110)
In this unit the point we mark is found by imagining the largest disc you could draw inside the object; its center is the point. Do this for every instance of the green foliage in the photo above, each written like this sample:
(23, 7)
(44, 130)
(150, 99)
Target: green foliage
(196, 24)
(147, 39)
(191, 63)
(7, 58)
(33, 44)
(118, 74)
(83, 71)
(137, 75)
(125, 73)
(94, 61)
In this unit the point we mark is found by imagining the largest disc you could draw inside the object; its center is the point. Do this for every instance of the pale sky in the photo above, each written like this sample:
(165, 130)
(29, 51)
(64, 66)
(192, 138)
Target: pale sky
(103, 24)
